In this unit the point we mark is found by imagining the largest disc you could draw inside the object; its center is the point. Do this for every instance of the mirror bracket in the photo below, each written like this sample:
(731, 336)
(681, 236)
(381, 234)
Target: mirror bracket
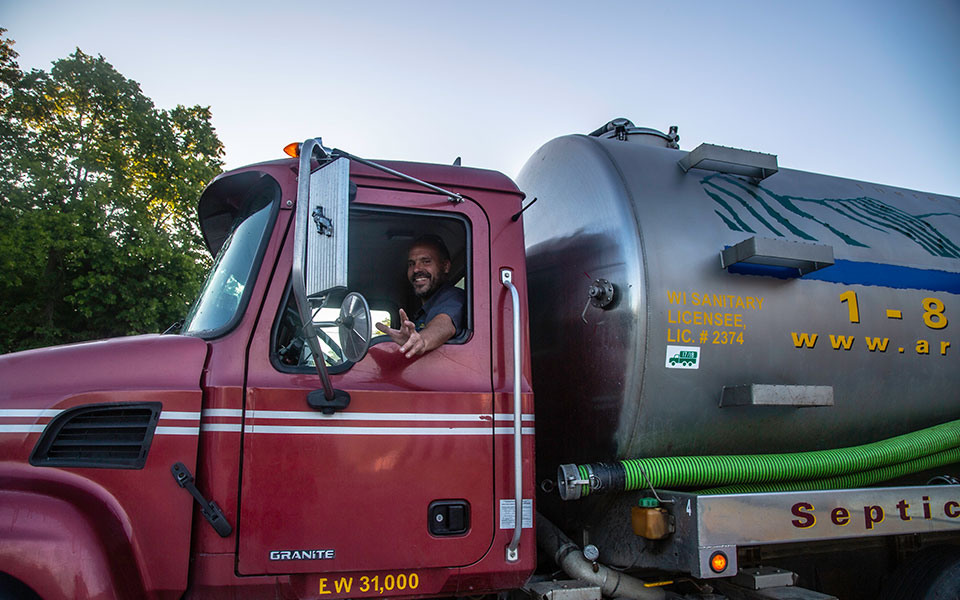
(324, 224)
(317, 400)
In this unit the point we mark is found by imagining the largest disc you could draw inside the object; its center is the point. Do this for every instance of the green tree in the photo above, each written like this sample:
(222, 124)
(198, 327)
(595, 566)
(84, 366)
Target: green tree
(98, 190)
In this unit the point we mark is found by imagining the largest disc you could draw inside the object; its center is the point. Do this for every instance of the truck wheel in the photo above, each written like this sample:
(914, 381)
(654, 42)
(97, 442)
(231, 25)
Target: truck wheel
(12, 588)
(931, 574)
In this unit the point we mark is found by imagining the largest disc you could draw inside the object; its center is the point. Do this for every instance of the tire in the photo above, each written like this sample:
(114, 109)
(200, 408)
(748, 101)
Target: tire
(931, 574)
(12, 588)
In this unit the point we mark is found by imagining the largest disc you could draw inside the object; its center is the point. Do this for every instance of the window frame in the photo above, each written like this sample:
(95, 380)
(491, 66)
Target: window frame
(257, 263)
(417, 217)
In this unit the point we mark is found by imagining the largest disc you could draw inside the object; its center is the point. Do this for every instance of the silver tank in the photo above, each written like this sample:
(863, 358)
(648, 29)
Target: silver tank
(699, 354)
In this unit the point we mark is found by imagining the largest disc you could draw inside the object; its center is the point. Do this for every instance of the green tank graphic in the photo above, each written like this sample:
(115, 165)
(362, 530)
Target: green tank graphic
(746, 207)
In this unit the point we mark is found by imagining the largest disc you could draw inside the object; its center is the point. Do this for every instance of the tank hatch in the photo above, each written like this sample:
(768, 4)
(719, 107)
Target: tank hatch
(625, 131)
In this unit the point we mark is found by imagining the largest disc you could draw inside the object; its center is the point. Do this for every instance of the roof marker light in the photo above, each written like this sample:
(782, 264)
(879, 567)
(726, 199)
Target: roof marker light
(292, 149)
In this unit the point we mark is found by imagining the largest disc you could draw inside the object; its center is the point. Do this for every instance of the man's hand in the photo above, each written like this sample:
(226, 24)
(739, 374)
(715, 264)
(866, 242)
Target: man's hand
(407, 337)
(414, 343)
(400, 336)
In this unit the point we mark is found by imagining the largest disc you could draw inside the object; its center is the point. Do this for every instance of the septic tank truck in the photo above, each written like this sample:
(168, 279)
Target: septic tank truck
(683, 374)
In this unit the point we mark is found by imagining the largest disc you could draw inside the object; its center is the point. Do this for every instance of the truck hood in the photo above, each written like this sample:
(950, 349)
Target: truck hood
(42, 377)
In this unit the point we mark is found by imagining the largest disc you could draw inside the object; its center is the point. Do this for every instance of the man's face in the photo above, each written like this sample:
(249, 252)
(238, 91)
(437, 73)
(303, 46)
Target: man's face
(426, 270)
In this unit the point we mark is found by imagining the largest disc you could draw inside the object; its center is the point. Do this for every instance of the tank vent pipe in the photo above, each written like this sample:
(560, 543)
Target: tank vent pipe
(822, 469)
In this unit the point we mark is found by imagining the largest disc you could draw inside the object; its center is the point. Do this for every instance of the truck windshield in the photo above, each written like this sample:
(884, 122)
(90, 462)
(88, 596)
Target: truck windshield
(226, 290)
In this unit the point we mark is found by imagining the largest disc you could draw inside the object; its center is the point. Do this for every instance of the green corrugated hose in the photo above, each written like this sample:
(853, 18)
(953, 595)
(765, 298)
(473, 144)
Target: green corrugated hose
(869, 463)
(854, 480)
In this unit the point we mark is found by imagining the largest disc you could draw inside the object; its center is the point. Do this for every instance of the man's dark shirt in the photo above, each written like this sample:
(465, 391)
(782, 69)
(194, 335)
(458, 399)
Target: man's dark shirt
(447, 300)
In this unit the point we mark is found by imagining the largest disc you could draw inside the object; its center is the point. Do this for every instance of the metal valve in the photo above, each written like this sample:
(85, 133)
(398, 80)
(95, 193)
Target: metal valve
(599, 295)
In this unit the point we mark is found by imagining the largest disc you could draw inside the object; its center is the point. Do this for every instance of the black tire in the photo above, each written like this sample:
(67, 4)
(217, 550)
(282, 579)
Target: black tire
(931, 574)
(12, 588)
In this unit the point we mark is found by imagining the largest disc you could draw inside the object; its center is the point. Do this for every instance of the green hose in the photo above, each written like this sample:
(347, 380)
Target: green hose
(696, 471)
(854, 480)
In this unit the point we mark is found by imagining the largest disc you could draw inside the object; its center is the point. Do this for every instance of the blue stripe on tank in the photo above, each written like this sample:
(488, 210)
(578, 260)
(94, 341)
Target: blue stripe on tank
(851, 272)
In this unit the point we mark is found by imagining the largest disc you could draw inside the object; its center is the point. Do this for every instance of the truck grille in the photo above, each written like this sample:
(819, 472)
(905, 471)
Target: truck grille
(108, 436)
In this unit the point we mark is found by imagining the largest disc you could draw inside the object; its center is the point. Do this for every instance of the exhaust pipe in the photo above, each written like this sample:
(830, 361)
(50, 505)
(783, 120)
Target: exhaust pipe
(612, 584)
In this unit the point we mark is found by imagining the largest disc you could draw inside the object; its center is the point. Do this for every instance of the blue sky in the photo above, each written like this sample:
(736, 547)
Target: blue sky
(867, 90)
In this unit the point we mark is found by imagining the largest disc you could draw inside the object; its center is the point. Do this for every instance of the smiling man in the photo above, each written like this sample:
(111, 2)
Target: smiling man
(441, 315)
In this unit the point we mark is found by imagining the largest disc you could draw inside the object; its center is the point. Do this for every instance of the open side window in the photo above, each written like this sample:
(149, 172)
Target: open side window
(379, 241)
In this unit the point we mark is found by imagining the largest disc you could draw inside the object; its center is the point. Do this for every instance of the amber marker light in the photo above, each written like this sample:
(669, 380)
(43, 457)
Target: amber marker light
(292, 149)
(718, 562)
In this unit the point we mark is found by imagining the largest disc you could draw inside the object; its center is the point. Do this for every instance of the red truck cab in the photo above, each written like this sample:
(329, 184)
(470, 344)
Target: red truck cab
(407, 491)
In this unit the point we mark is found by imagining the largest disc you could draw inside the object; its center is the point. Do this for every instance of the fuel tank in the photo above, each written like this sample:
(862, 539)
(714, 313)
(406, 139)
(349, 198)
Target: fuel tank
(708, 302)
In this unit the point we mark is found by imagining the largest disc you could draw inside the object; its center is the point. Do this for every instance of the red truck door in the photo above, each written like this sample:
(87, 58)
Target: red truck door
(402, 479)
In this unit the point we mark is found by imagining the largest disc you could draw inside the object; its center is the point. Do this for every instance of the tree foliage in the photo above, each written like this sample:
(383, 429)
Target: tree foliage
(98, 191)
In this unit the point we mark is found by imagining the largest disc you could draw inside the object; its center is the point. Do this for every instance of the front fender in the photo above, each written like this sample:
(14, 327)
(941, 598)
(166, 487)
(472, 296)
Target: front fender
(81, 524)
(59, 550)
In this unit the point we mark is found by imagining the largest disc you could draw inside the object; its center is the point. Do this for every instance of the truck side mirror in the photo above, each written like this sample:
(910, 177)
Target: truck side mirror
(320, 238)
(320, 260)
(355, 327)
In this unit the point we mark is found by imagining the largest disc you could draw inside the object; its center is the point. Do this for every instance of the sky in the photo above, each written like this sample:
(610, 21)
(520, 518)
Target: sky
(863, 89)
